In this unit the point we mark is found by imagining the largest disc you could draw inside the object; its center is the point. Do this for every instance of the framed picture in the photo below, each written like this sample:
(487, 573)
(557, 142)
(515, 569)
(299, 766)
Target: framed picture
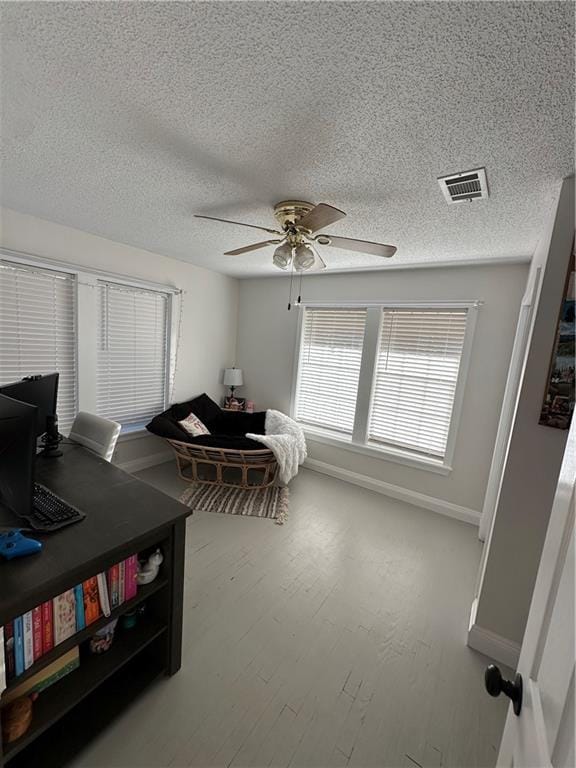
(558, 405)
(235, 403)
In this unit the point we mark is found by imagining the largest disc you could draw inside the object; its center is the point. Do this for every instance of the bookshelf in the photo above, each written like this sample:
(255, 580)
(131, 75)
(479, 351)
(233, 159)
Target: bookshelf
(68, 714)
(144, 592)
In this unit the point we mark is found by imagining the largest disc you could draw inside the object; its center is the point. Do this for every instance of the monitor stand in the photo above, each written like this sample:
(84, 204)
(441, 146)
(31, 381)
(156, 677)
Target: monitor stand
(51, 439)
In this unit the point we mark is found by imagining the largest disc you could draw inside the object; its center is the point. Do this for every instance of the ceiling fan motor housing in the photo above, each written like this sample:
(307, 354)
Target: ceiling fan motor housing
(289, 211)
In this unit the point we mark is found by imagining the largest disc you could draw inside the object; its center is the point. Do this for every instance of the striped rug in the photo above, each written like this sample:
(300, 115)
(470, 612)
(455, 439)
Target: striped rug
(271, 502)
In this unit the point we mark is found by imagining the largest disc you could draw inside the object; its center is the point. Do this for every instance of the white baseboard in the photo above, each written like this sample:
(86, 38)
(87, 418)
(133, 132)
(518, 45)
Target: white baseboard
(136, 465)
(447, 508)
(494, 646)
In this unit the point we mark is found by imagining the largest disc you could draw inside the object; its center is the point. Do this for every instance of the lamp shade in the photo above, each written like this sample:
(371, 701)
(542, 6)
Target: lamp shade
(283, 256)
(304, 257)
(233, 377)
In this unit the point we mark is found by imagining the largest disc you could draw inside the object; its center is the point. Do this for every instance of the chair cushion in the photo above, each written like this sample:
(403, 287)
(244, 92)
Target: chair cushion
(227, 429)
(236, 442)
(239, 422)
(168, 428)
(202, 406)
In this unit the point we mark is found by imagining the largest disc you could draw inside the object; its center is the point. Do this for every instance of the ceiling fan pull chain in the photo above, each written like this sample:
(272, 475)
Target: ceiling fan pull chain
(290, 296)
(299, 300)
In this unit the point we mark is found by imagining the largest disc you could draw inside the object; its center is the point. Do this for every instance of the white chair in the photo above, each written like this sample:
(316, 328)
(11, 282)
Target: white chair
(98, 434)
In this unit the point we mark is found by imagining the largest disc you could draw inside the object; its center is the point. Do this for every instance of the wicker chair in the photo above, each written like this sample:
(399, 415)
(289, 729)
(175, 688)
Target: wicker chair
(256, 468)
(223, 457)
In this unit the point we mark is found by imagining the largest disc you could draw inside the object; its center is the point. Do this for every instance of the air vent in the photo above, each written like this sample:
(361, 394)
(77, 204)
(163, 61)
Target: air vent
(464, 187)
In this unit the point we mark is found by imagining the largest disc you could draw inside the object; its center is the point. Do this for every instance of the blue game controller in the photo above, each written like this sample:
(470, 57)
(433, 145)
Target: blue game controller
(13, 544)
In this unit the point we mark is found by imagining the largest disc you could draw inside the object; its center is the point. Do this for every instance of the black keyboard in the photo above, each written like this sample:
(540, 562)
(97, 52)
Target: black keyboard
(50, 512)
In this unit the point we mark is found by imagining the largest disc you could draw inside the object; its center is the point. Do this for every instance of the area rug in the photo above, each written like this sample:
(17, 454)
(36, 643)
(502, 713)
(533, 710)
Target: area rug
(271, 502)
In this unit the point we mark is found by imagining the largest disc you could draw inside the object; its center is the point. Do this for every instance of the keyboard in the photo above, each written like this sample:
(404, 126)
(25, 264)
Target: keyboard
(50, 512)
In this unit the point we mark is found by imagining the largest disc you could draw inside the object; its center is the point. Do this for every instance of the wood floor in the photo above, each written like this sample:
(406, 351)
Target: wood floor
(335, 640)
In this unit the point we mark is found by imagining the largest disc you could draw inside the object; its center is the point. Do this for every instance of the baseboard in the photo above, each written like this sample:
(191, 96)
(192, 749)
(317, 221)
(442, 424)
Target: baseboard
(494, 646)
(397, 492)
(153, 459)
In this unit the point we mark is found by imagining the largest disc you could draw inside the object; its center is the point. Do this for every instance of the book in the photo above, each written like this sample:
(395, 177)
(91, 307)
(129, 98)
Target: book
(64, 607)
(55, 671)
(47, 627)
(37, 632)
(130, 581)
(19, 644)
(3, 678)
(10, 659)
(79, 600)
(28, 640)
(91, 603)
(122, 566)
(114, 585)
(103, 594)
(122, 581)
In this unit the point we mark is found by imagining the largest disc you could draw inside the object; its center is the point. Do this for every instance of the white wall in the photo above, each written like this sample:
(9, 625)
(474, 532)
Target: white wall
(535, 452)
(210, 305)
(266, 347)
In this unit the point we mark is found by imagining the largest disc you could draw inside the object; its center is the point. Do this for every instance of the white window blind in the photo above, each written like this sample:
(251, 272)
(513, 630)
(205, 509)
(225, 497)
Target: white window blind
(38, 330)
(132, 354)
(415, 380)
(329, 367)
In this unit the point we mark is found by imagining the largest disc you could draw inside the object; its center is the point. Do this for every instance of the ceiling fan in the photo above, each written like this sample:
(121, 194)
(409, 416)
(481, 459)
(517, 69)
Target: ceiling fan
(295, 241)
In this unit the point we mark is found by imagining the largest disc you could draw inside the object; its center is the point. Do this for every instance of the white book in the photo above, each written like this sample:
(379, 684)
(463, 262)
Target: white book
(28, 640)
(103, 594)
(64, 613)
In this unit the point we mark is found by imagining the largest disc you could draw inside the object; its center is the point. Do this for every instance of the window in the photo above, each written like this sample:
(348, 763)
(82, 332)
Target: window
(385, 378)
(110, 339)
(132, 354)
(329, 370)
(38, 330)
(416, 375)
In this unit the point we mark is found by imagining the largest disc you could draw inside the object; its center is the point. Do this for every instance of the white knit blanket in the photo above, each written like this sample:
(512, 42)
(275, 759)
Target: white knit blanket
(285, 438)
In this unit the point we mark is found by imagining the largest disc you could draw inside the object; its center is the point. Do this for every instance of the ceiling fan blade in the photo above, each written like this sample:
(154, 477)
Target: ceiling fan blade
(239, 223)
(320, 216)
(247, 248)
(363, 246)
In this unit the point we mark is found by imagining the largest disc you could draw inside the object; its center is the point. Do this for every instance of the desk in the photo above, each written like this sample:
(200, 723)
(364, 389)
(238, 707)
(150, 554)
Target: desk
(124, 516)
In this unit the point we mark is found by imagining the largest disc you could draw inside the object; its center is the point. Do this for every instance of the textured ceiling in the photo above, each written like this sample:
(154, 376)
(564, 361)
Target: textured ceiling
(123, 119)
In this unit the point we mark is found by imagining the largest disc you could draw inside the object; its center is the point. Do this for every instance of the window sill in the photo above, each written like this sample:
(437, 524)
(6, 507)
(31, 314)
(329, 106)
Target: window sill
(387, 454)
(133, 434)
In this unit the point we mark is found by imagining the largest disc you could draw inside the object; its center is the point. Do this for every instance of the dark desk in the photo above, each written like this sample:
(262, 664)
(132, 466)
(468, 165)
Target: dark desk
(124, 516)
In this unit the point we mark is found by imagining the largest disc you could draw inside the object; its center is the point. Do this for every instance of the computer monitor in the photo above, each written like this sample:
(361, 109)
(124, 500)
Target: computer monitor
(17, 454)
(41, 391)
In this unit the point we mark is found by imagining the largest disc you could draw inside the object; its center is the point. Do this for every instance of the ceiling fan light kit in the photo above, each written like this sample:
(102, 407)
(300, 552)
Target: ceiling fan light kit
(298, 221)
(283, 256)
(304, 257)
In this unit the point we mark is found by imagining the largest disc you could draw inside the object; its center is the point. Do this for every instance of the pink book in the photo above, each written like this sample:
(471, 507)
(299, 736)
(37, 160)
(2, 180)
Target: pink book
(131, 572)
(122, 582)
(37, 631)
(47, 627)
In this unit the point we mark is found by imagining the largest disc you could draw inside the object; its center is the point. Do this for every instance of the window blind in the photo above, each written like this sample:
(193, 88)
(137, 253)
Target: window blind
(132, 354)
(38, 330)
(329, 367)
(415, 380)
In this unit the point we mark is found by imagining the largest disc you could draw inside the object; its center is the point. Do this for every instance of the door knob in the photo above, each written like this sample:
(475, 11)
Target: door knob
(495, 685)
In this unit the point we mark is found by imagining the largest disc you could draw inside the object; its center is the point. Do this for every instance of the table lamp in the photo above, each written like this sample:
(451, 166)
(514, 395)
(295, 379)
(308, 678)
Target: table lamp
(233, 378)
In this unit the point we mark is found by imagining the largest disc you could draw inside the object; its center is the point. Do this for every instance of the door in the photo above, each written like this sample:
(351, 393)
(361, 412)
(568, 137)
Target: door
(542, 735)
